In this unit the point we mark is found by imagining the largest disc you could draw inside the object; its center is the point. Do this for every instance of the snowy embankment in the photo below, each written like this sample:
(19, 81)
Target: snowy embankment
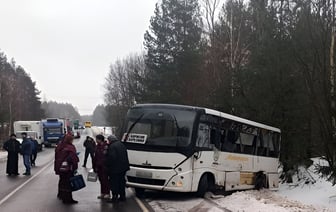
(308, 193)
(265, 201)
(244, 201)
(310, 188)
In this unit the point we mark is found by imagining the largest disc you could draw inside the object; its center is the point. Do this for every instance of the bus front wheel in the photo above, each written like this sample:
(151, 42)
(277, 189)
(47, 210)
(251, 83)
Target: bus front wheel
(203, 186)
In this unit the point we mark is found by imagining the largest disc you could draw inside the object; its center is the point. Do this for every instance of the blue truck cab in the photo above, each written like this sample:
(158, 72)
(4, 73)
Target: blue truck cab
(53, 131)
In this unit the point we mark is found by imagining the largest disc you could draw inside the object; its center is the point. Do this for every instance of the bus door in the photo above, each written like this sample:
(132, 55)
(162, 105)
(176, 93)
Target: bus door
(208, 158)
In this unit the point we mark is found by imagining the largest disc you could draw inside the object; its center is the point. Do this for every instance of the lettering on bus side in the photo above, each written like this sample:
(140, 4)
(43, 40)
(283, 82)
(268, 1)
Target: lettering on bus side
(236, 158)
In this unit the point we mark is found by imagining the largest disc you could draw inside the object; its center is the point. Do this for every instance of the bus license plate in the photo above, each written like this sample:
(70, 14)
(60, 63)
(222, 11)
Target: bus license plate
(143, 174)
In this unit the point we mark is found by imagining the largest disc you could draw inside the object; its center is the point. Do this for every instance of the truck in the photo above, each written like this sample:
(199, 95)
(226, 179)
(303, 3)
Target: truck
(53, 130)
(76, 124)
(32, 128)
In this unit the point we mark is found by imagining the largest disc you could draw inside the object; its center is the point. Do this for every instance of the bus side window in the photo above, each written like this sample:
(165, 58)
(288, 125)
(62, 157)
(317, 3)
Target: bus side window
(229, 144)
(203, 137)
(274, 145)
(247, 142)
(215, 137)
(262, 143)
(260, 149)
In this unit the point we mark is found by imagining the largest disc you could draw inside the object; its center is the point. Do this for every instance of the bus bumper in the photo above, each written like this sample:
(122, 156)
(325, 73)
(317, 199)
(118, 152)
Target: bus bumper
(158, 179)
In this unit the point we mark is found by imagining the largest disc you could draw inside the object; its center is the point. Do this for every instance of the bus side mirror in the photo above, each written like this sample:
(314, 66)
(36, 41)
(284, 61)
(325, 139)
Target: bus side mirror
(197, 155)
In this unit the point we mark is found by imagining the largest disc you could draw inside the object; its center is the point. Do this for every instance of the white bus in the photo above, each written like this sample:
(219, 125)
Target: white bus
(193, 149)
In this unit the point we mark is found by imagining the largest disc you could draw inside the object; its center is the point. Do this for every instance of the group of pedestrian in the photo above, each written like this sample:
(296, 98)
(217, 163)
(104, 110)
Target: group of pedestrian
(28, 148)
(109, 161)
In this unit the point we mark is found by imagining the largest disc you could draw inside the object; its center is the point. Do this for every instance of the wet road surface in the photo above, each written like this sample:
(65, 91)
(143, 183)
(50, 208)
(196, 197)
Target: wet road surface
(38, 191)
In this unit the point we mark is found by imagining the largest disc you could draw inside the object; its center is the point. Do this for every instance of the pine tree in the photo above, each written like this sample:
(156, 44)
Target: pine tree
(174, 52)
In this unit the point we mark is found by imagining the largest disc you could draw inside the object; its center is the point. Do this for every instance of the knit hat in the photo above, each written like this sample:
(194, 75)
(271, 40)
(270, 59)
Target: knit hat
(112, 138)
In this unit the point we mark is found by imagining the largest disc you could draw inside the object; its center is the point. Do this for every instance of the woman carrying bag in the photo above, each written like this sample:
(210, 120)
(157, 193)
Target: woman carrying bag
(99, 167)
(66, 163)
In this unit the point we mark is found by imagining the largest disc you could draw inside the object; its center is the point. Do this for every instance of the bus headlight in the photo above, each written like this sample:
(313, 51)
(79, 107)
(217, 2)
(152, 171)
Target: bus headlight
(179, 184)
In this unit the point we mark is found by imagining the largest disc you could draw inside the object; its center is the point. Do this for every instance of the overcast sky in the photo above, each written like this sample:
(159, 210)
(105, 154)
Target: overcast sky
(67, 45)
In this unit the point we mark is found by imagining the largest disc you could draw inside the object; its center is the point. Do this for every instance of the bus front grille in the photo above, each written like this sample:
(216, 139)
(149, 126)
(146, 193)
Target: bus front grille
(146, 181)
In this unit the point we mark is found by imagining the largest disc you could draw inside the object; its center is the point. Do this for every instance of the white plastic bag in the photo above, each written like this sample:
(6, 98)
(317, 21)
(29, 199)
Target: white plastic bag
(92, 176)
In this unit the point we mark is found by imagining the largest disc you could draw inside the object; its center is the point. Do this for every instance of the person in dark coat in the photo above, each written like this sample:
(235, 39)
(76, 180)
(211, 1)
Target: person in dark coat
(65, 165)
(26, 150)
(33, 156)
(99, 167)
(90, 147)
(13, 147)
(117, 165)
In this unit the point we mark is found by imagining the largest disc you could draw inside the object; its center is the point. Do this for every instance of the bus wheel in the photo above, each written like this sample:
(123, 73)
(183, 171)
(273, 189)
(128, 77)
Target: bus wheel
(260, 180)
(202, 186)
(139, 192)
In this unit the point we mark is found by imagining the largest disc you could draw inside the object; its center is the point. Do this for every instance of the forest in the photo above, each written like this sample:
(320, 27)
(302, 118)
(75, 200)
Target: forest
(271, 61)
(19, 97)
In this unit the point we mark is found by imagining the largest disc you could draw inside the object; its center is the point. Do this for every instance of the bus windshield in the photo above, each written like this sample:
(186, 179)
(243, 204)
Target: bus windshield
(53, 130)
(160, 126)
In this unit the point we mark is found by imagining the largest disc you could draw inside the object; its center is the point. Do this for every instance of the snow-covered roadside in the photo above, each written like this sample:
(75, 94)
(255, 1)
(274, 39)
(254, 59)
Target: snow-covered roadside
(308, 193)
(310, 188)
(264, 201)
(244, 201)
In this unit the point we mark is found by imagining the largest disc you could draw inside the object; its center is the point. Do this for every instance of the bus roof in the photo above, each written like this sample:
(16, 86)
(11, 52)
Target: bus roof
(215, 113)
(241, 120)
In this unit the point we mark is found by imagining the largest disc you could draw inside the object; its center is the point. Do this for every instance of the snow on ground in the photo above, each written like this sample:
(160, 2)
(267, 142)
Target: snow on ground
(308, 193)
(244, 201)
(264, 201)
(320, 193)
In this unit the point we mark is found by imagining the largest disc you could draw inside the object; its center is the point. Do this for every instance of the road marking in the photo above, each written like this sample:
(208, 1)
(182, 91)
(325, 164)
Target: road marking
(139, 202)
(25, 183)
(141, 205)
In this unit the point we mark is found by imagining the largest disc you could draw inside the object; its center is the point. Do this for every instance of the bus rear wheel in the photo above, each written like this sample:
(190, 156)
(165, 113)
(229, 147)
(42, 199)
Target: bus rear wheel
(203, 186)
(260, 180)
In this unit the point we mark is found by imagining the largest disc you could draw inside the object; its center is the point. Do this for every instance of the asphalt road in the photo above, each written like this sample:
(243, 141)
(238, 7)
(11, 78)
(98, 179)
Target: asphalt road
(38, 191)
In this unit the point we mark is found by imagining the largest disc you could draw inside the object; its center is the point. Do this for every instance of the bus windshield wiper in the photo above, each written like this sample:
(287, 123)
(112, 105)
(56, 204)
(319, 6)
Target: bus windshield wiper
(132, 126)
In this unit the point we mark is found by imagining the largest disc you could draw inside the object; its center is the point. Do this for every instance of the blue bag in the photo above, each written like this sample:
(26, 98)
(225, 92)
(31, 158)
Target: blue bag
(77, 182)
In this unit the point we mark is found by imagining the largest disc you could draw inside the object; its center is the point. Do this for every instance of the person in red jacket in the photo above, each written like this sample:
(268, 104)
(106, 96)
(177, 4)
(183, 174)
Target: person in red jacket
(66, 163)
(99, 167)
